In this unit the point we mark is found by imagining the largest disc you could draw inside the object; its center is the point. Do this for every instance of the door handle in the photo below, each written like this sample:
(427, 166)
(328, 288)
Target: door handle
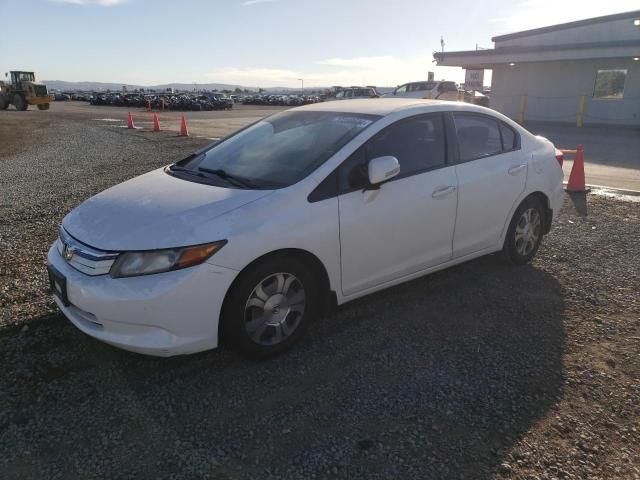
(443, 192)
(517, 169)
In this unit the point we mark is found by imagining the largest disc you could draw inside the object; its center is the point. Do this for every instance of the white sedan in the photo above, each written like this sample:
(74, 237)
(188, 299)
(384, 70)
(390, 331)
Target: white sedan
(249, 239)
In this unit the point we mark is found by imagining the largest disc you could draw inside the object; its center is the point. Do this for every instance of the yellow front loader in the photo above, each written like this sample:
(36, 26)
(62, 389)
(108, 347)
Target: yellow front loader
(24, 91)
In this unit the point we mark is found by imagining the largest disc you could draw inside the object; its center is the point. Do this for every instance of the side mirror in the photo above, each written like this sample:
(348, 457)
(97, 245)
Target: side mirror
(382, 169)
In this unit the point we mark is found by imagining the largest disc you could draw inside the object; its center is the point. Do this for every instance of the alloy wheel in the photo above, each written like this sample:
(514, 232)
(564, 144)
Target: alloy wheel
(527, 232)
(274, 309)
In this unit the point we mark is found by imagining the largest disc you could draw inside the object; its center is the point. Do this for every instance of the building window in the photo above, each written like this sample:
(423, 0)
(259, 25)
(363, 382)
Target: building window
(610, 84)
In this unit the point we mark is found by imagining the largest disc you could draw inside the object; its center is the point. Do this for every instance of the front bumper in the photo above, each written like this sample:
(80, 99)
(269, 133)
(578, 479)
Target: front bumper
(163, 314)
(33, 100)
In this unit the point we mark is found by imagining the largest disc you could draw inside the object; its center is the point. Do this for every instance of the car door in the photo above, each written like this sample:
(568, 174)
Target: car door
(406, 224)
(447, 91)
(492, 174)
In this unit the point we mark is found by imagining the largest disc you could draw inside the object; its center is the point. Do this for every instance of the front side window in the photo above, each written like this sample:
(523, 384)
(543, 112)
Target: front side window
(478, 136)
(402, 89)
(418, 144)
(280, 150)
(610, 84)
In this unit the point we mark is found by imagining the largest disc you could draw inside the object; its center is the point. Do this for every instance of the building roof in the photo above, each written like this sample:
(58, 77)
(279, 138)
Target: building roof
(487, 58)
(538, 46)
(564, 26)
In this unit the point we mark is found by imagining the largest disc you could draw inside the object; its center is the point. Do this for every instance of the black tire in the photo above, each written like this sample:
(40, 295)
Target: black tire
(520, 247)
(19, 102)
(4, 102)
(43, 106)
(236, 312)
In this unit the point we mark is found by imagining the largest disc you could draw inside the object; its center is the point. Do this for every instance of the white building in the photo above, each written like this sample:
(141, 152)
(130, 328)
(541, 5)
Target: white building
(585, 70)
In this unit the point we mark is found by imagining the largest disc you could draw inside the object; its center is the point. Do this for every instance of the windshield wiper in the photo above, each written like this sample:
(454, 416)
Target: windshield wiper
(244, 182)
(177, 168)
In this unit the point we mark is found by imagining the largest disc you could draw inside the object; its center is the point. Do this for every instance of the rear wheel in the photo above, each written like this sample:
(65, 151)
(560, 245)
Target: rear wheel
(19, 102)
(525, 232)
(270, 306)
(43, 106)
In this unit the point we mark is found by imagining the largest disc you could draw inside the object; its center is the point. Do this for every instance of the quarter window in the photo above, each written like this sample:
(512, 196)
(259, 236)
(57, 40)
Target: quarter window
(478, 136)
(509, 139)
(418, 144)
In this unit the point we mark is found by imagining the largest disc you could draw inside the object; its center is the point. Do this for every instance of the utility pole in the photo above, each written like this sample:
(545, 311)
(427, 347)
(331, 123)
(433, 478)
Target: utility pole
(302, 80)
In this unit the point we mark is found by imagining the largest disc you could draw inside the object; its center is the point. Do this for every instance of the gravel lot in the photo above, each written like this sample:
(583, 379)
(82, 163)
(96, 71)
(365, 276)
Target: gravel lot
(480, 371)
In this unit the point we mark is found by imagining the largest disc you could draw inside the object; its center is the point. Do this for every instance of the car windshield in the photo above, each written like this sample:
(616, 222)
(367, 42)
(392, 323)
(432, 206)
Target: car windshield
(280, 150)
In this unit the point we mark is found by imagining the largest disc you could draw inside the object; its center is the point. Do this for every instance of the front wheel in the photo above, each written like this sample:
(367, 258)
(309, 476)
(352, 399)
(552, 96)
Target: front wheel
(43, 106)
(525, 232)
(270, 307)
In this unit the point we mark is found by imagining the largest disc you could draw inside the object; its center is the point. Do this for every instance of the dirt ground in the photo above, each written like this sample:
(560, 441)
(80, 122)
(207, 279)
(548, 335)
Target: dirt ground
(481, 371)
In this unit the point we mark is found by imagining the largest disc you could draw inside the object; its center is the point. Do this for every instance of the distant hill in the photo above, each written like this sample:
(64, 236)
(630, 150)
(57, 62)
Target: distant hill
(117, 87)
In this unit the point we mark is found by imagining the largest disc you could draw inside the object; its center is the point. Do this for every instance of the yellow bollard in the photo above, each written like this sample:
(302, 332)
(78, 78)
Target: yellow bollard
(580, 118)
(523, 106)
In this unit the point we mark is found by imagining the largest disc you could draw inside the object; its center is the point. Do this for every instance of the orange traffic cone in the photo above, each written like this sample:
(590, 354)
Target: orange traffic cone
(576, 181)
(156, 123)
(183, 127)
(130, 121)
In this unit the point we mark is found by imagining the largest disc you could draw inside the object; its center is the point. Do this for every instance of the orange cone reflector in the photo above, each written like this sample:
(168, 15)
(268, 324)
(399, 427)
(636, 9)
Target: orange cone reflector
(183, 127)
(130, 121)
(156, 123)
(576, 181)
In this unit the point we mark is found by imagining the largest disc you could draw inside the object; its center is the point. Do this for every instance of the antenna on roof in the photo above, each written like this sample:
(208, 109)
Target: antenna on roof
(442, 43)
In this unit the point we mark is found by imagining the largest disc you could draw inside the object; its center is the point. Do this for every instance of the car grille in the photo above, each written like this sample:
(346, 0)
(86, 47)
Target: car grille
(84, 258)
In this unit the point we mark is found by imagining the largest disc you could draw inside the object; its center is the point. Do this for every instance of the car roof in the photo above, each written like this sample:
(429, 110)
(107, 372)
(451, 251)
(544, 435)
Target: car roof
(373, 106)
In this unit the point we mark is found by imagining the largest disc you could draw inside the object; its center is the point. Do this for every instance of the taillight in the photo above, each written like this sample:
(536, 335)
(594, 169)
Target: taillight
(560, 158)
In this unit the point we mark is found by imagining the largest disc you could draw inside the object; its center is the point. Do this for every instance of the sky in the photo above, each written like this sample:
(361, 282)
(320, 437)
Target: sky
(263, 43)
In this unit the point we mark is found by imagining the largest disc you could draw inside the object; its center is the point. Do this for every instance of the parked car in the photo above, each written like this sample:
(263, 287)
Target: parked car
(443, 90)
(354, 93)
(221, 101)
(250, 238)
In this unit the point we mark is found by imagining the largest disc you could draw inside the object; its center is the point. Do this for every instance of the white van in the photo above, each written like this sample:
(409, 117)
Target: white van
(444, 90)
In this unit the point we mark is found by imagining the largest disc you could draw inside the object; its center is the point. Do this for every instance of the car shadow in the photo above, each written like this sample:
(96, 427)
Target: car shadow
(435, 378)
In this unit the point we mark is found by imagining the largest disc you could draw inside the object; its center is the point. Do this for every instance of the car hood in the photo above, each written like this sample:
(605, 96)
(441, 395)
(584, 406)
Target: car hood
(154, 210)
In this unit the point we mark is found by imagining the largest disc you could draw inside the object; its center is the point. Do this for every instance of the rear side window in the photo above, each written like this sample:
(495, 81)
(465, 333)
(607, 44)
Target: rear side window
(478, 136)
(418, 143)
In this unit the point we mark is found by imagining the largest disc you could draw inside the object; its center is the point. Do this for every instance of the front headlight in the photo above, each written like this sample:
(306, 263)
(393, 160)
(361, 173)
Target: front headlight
(131, 264)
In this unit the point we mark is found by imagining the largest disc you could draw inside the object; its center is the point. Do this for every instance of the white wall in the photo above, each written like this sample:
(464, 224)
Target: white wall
(553, 90)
